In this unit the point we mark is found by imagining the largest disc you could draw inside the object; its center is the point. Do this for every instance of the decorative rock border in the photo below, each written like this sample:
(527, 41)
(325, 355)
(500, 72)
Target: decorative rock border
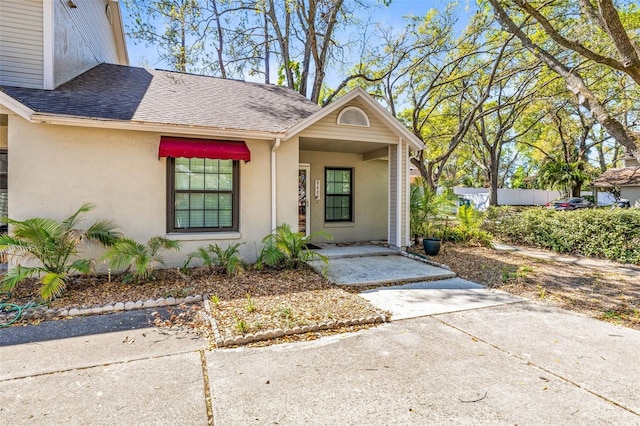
(258, 336)
(424, 259)
(41, 312)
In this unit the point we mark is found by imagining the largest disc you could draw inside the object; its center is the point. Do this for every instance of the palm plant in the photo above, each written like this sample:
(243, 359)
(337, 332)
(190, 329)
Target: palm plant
(427, 206)
(53, 245)
(287, 249)
(139, 260)
(568, 177)
(213, 255)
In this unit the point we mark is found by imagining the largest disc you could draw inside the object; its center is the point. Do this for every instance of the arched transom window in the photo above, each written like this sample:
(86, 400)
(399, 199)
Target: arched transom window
(353, 116)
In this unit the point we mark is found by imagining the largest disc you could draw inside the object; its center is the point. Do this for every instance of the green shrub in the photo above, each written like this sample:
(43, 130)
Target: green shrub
(287, 249)
(213, 255)
(613, 234)
(140, 260)
(54, 245)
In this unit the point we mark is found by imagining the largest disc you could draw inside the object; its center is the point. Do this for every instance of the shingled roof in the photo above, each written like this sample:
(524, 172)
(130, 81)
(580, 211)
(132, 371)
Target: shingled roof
(625, 176)
(116, 92)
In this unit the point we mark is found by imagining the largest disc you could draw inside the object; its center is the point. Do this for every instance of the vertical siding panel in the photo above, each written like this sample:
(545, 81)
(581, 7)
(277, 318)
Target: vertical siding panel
(393, 194)
(21, 43)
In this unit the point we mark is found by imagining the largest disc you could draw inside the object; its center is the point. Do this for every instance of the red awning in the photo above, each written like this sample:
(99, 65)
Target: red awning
(203, 148)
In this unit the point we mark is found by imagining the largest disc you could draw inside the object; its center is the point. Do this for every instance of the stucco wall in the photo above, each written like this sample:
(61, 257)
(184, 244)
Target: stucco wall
(631, 193)
(370, 190)
(54, 169)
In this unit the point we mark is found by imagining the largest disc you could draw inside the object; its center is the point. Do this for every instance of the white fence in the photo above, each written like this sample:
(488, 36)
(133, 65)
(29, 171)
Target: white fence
(508, 197)
(521, 197)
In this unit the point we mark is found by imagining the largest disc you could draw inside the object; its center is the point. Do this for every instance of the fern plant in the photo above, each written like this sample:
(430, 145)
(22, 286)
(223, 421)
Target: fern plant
(213, 255)
(287, 249)
(53, 245)
(139, 260)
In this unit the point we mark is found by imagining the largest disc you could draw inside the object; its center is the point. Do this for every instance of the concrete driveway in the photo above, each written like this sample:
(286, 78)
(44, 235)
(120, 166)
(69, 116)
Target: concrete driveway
(520, 363)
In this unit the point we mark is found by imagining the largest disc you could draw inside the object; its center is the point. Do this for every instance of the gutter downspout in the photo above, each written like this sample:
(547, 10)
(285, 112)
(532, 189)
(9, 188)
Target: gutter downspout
(399, 193)
(274, 148)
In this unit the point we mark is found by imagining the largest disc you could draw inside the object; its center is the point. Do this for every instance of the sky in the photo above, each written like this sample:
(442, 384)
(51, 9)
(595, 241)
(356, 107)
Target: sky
(146, 56)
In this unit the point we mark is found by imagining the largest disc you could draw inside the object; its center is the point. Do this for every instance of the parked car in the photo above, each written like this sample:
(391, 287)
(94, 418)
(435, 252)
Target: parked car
(572, 203)
(621, 203)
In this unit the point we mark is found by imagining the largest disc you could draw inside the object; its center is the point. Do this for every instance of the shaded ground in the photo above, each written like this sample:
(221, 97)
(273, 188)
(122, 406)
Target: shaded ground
(600, 294)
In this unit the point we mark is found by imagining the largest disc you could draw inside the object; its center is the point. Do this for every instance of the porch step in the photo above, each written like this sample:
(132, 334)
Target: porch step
(333, 251)
(378, 270)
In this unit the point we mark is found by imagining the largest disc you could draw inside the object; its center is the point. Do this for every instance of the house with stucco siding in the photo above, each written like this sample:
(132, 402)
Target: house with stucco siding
(192, 158)
(625, 180)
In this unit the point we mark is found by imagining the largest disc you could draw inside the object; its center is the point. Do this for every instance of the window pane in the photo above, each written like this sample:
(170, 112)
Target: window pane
(182, 181)
(197, 181)
(196, 219)
(211, 166)
(226, 218)
(211, 201)
(3, 162)
(226, 182)
(225, 201)
(197, 165)
(226, 166)
(182, 201)
(211, 182)
(196, 202)
(211, 219)
(182, 219)
(182, 164)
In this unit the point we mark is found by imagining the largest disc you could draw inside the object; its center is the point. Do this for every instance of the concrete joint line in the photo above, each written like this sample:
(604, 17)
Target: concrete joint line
(104, 364)
(554, 374)
(207, 388)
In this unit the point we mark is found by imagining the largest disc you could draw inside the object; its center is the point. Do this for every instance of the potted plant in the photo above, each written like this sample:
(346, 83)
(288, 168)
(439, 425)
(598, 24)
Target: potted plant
(427, 209)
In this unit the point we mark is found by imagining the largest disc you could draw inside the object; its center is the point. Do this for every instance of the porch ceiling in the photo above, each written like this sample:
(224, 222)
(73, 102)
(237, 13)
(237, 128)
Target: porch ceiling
(337, 145)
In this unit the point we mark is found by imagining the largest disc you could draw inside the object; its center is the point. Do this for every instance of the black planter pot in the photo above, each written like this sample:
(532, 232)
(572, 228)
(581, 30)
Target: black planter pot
(431, 246)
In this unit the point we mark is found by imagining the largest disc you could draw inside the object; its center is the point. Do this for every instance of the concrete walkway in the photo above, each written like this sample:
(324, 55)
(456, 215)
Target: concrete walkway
(587, 262)
(523, 363)
(368, 265)
(435, 297)
(422, 289)
(456, 354)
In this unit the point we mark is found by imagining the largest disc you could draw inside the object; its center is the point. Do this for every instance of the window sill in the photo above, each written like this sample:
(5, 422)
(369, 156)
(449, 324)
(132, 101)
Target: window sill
(202, 236)
(339, 225)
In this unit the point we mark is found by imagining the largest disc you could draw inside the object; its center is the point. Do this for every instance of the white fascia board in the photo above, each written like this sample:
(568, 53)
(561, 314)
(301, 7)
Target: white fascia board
(118, 30)
(48, 70)
(152, 127)
(11, 104)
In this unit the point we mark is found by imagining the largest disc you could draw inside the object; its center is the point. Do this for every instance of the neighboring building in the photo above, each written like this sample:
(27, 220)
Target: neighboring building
(626, 179)
(193, 158)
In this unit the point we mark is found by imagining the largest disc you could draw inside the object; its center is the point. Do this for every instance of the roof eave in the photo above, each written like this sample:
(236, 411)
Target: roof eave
(152, 127)
(15, 106)
(380, 112)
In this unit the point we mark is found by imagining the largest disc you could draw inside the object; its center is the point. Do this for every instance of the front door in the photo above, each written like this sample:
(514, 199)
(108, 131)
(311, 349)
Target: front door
(304, 213)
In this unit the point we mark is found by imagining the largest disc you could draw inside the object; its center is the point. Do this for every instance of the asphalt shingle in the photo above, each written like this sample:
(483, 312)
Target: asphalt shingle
(625, 176)
(116, 92)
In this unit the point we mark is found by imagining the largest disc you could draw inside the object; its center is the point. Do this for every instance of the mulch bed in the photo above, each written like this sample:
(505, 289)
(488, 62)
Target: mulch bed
(604, 295)
(253, 301)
